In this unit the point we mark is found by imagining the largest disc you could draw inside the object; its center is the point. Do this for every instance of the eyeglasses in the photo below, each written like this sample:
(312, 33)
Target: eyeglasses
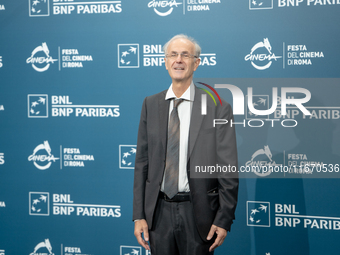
(184, 55)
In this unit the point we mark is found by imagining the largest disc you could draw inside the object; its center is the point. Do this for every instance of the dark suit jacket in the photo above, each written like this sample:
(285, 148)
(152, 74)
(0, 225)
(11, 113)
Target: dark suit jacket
(214, 199)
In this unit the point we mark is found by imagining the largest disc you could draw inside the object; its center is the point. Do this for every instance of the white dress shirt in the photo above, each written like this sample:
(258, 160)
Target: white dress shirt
(184, 114)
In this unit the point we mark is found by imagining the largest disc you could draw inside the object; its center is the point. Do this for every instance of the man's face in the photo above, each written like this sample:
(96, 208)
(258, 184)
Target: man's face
(179, 68)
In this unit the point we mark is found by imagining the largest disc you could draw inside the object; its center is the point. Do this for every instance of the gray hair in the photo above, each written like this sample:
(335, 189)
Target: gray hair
(183, 36)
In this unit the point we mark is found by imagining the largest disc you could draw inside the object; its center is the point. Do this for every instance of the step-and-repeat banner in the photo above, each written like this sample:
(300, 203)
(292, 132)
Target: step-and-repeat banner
(73, 76)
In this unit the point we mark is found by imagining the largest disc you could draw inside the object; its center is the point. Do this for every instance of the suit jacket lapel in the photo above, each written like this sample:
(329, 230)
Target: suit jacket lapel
(196, 121)
(163, 118)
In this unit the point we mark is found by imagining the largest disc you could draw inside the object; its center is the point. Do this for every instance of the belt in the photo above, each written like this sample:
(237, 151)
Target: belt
(179, 197)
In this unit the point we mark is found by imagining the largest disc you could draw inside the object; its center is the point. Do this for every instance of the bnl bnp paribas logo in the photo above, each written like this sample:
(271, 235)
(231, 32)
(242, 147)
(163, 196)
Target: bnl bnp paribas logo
(260, 4)
(153, 56)
(127, 155)
(130, 250)
(41, 8)
(128, 55)
(258, 214)
(287, 216)
(61, 106)
(37, 106)
(63, 205)
(39, 203)
(268, 4)
(2, 158)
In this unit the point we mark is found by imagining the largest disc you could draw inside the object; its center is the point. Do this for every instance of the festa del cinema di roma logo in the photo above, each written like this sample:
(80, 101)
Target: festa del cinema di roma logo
(168, 5)
(41, 155)
(40, 58)
(261, 53)
(42, 247)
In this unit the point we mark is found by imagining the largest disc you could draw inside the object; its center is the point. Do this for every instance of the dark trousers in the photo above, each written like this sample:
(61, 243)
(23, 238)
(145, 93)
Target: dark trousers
(174, 231)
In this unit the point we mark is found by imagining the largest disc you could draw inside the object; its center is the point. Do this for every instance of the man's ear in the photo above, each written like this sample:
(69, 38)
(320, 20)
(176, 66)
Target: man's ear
(166, 66)
(197, 62)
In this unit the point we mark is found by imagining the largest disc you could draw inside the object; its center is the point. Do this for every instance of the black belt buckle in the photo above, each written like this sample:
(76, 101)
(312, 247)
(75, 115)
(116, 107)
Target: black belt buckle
(179, 197)
(166, 198)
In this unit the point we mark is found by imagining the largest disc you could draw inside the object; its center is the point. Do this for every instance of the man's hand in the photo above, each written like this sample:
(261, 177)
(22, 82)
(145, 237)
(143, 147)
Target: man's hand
(141, 227)
(221, 235)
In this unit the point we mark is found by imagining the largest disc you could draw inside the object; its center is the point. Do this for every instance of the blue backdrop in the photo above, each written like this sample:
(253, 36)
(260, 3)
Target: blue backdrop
(73, 76)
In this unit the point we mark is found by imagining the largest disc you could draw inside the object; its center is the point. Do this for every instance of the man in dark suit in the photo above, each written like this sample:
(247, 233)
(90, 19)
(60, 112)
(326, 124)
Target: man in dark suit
(177, 207)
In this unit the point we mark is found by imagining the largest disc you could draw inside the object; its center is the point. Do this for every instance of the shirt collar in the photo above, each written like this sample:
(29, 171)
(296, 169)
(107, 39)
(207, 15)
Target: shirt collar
(188, 95)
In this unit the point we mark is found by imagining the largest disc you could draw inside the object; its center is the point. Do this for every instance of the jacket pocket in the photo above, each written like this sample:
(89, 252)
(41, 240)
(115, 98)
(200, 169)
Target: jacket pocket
(213, 192)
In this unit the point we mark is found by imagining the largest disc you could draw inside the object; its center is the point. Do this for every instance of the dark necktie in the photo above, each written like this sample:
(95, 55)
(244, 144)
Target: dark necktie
(172, 153)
